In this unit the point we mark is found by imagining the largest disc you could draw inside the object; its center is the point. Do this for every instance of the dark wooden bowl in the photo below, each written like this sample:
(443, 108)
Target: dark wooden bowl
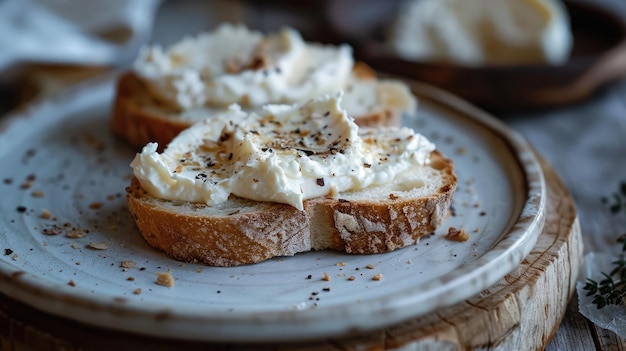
(598, 58)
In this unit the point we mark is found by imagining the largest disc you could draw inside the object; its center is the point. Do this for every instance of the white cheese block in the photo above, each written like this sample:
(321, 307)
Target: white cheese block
(483, 32)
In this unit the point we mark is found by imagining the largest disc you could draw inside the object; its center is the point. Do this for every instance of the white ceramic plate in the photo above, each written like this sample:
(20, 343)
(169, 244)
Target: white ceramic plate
(59, 157)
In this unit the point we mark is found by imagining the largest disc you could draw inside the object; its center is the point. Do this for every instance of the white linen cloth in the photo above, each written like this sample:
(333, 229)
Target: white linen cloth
(69, 31)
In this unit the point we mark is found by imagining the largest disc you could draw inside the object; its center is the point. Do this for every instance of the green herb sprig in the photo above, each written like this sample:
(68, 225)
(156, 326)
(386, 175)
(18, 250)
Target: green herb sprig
(612, 289)
(617, 201)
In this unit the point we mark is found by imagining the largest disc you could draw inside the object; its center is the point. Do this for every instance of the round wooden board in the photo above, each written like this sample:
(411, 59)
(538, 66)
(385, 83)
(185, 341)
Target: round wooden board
(520, 312)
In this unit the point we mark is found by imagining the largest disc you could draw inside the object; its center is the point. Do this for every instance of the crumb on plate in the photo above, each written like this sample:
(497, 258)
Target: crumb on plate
(165, 279)
(98, 246)
(45, 213)
(128, 264)
(455, 234)
(76, 233)
(326, 277)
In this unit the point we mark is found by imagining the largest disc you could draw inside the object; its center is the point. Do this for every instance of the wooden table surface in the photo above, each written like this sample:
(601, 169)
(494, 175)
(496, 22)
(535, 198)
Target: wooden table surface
(575, 332)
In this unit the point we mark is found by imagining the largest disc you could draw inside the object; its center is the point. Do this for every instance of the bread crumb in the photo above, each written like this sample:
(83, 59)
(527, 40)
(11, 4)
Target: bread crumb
(370, 266)
(461, 150)
(137, 291)
(476, 230)
(351, 278)
(74, 246)
(77, 263)
(98, 246)
(71, 283)
(165, 279)
(14, 257)
(37, 194)
(378, 276)
(45, 213)
(76, 233)
(54, 230)
(457, 234)
(326, 277)
(341, 264)
(128, 264)
(131, 279)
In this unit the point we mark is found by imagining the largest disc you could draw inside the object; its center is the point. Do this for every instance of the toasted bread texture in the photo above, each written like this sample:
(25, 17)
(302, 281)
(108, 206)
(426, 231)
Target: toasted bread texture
(138, 117)
(373, 220)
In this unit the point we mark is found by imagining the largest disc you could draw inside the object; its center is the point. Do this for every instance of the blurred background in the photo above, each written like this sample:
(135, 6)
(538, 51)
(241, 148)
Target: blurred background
(50, 43)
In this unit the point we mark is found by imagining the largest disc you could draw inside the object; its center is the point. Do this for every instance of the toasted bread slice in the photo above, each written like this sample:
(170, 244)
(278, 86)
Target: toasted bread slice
(240, 231)
(138, 117)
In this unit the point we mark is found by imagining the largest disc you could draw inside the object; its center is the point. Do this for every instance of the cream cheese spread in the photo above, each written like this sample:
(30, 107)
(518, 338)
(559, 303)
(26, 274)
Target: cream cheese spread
(365, 97)
(481, 32)
(362, 97)
(282, 153)
(233, 64)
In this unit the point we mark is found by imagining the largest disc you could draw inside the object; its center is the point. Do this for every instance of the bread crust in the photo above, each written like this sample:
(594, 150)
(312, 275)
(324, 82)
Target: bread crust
(139, 118)
(247, 231)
